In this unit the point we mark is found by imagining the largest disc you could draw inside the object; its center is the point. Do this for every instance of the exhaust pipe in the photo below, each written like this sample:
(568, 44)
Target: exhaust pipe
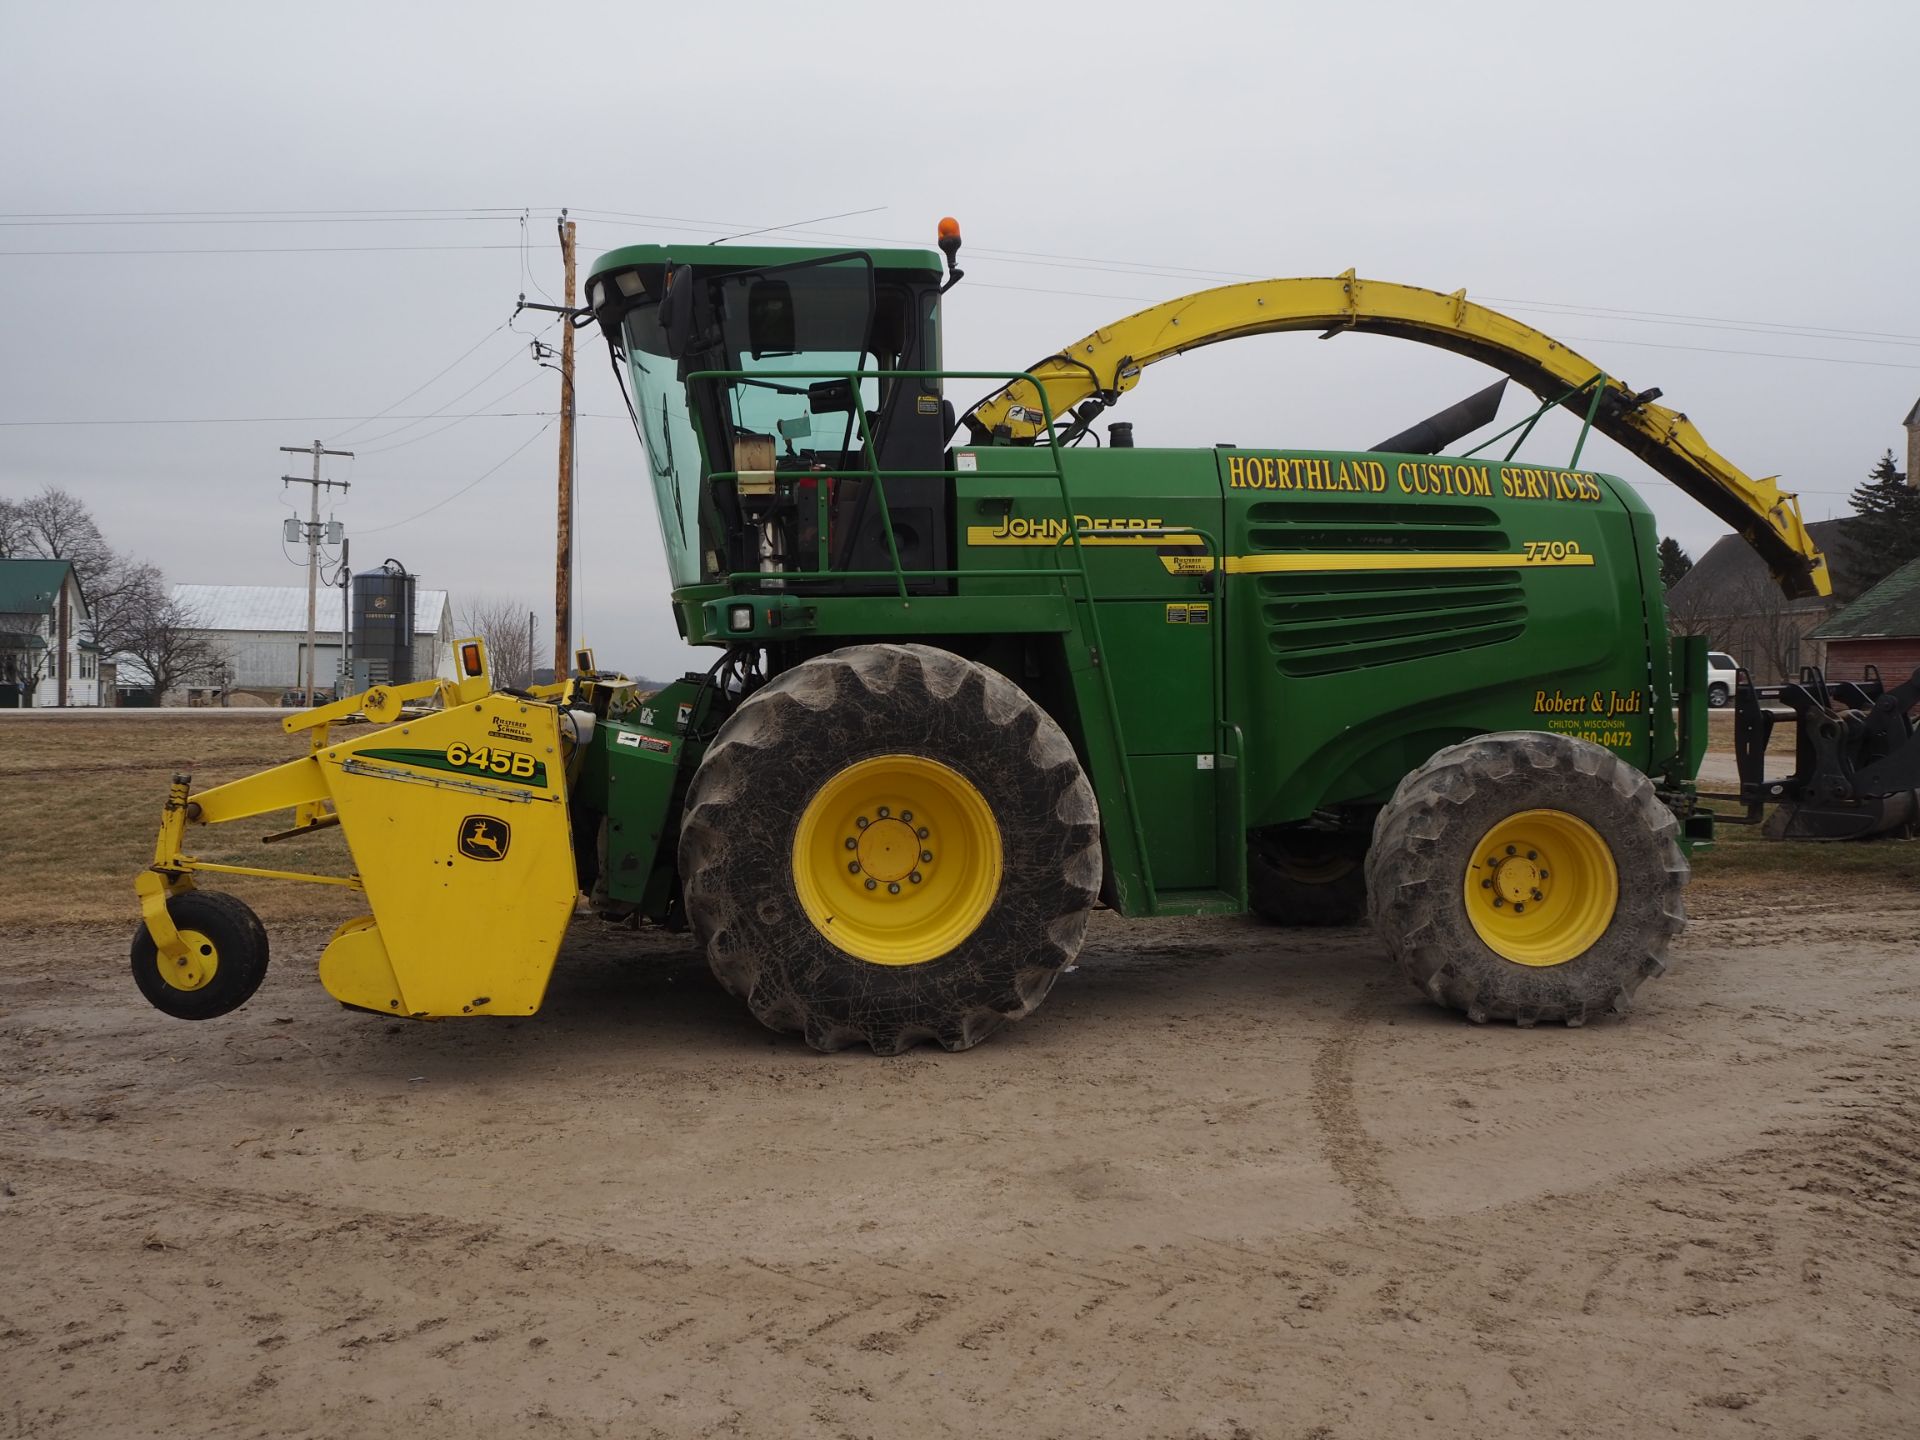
(1442, 428)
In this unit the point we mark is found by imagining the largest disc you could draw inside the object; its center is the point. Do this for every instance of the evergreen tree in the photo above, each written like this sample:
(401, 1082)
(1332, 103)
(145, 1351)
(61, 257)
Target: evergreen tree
(1884, 531)
(1674, 562)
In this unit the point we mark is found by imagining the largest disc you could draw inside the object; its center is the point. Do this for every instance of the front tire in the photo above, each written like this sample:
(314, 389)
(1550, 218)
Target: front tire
(1528, 876)
(1717, 696)
(890, 844)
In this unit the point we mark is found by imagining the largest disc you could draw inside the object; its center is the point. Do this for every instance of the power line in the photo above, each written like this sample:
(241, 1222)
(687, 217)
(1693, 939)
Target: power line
(440, 410)
(457, 420)
(509, 210)
(316, 219)
(769, 229)
(1051, 259)
(1717, 350)
(1709, 319)
(274, 419)
(1151, 270)
(418, 388)
(259, 250)
(377, 529)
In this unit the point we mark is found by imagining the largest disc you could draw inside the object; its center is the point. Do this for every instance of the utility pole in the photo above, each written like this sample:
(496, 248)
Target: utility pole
(313, 535)
(345, 581)
(563, 559)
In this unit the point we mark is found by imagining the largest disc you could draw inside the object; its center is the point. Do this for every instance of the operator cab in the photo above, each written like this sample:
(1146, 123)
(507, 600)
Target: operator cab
(768, 385)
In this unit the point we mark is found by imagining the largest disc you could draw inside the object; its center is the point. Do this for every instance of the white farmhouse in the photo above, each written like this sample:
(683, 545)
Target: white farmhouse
(43, 660)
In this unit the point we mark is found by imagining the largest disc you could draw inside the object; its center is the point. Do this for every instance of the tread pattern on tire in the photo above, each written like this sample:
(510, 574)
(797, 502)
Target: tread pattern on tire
(242, 967)
(1423, 840)
(775, 751)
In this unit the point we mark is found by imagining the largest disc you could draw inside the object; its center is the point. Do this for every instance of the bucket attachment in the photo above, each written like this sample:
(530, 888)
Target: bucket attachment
(1856, 757)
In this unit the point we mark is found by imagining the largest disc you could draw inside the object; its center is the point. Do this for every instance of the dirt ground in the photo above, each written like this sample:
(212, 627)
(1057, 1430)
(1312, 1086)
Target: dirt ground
(1229, 1182)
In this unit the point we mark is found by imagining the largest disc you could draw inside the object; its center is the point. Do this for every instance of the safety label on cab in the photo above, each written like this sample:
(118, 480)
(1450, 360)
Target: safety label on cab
(1190, 614)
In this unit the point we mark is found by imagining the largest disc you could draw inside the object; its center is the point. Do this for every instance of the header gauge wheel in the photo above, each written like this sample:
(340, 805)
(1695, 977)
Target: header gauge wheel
(1528, 876)
(225, 962)
(890, 844)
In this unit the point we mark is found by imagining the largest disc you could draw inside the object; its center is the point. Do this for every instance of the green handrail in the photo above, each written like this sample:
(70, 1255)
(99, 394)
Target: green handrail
(872, 473)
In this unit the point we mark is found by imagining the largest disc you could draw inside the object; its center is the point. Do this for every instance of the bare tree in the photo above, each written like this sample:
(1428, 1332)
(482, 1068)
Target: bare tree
(167, 646)
(13, 531)
(1770, 630)
(125, 597)
(56, 525)
(1690, 610)
(503, 625)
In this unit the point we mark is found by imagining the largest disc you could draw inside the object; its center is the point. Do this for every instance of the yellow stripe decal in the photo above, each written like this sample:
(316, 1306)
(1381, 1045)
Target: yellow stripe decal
(1430, 560)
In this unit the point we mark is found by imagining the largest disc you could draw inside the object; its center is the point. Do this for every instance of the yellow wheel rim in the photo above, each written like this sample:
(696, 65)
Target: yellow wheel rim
(201, 963)
(897, 859)
(1541, 887)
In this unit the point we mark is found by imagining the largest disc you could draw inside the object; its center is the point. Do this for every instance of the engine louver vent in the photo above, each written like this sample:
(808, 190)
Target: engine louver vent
(1323, 623)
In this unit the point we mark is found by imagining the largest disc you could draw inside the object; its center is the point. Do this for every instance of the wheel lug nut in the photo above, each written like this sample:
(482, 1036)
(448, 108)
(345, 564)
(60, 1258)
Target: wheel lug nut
(862, 823)
(852, 844)
(914, 877)
(1497, 902)
(1519, 906)
(853, 867)
(926, 857)
(873, 885)
(922, 832)
(884, 812)
(906, 817)
(1543, 874)
(1486, 884)
(1538, 896)
(1533, 854)
(1512, 850)
(893, 888)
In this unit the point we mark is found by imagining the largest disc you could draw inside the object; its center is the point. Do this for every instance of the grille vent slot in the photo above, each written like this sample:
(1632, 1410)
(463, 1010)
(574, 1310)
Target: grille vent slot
(1321, 623)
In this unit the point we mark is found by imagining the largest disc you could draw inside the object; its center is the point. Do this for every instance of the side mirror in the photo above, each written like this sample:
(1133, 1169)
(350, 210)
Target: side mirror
(676, 310)
(770, 325)
(830, 397)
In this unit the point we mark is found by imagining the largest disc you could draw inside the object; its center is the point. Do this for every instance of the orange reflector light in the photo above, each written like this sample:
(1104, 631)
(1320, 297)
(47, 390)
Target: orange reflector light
(470, 658)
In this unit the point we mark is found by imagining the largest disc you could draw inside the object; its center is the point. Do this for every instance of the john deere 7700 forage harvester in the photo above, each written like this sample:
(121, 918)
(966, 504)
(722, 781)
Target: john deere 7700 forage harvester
(979, 673)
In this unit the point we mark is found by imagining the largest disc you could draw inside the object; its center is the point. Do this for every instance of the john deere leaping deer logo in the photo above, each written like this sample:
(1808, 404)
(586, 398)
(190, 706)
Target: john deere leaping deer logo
(484, 837)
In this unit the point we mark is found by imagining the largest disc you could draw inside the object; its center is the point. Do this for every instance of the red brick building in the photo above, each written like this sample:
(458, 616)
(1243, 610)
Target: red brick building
(1881, 628)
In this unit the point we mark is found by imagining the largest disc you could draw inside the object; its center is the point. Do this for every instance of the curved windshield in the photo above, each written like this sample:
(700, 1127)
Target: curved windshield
(793, 337)
(667, 435)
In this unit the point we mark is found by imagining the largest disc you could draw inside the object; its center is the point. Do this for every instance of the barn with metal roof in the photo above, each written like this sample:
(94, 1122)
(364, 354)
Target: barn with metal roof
(261, 632)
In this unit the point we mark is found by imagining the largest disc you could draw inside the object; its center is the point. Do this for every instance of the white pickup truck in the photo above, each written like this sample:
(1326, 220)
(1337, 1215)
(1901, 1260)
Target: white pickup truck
(1722, 669)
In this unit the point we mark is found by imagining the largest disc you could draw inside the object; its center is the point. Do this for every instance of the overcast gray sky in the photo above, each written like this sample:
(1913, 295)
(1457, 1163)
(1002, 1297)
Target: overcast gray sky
(1751, 166)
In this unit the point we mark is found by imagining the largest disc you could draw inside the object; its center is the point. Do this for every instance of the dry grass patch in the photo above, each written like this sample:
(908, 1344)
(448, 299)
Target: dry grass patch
(80, 801)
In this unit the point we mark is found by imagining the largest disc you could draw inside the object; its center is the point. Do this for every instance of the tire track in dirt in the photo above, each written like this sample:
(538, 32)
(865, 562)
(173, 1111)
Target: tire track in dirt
(1353, 1154)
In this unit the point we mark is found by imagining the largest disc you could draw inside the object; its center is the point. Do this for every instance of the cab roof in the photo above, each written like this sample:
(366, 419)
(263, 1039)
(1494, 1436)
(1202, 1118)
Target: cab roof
(755, 257)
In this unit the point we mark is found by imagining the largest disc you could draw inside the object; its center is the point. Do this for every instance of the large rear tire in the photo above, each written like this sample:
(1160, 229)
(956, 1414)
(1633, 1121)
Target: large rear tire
(1306, 877)
(890, 844)
(1528, 876)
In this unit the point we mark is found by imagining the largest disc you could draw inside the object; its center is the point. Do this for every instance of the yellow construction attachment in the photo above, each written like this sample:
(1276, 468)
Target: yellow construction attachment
(456, 817)
(1108, 363)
